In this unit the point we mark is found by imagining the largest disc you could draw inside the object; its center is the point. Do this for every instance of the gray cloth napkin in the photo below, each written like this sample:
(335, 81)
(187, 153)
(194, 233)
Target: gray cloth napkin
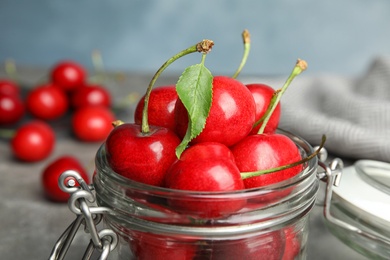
(354, 113)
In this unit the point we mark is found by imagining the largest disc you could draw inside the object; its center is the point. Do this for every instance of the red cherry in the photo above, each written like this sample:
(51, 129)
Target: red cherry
(9, 87)
(52, 172)
(161, 110)
(268, 246)
(206, 150)
(231, 116)
(47, 102)
(92, 123)
(201, 151)
(263, 94)
(293, 244)
(11, 109)
(205, 175)
(90, 95)
(142, 157)
(68, 75)
(266, 151)
(33, 141)
(147, 246)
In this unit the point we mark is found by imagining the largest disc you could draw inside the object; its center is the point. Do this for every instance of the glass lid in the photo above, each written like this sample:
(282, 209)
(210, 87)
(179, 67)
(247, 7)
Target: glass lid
(375, 173)
(365, 191)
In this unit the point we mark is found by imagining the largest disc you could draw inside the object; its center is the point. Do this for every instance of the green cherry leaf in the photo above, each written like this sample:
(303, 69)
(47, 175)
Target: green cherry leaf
(194, 89)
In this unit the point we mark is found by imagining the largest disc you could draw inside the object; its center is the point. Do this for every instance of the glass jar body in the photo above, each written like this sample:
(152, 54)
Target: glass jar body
(280, 242)
(270, 222)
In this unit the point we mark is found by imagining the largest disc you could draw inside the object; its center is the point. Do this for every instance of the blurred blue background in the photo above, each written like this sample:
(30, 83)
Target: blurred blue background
(333, 36)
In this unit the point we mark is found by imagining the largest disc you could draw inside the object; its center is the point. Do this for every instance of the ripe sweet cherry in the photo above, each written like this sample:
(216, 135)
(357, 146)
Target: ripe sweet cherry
(11, 109)
(47, 102)
(90, 95)
(52, 172)
(231, 117)
(68, 75)
(33, 141)
(92, 123)
(263, 94)
(9, 87)
(161, 110)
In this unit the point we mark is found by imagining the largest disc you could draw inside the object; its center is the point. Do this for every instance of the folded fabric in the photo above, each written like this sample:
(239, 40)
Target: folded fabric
(354, 113)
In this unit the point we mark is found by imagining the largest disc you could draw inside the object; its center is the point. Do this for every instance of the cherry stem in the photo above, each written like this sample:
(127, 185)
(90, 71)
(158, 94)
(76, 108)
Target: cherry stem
(10, 69)
(117, 123)
(247, 46)
(300, 66)
(97, 61)
(245, 175)
(202, 47)
(7, 133)
(98, 65)
(100, 74)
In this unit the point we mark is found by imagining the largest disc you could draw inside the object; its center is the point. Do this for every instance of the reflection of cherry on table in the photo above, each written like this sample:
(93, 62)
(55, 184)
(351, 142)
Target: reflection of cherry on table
(31, 225)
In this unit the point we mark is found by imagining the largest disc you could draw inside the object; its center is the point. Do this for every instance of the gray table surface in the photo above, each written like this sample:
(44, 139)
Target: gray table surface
(30, 224)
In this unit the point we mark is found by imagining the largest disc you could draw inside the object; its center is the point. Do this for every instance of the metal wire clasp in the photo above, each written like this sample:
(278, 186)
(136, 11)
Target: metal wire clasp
(82, 203)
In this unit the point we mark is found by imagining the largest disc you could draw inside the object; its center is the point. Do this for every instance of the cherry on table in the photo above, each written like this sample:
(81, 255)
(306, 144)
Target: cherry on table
(52, 172)
(33, 141)
(11, 109)
(90, 95)
(47, 102)
(68, 75)
(9, 87)
(92, 123)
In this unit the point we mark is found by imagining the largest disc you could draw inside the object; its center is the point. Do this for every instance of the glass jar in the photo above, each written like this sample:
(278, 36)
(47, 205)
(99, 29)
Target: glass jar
(270, 222)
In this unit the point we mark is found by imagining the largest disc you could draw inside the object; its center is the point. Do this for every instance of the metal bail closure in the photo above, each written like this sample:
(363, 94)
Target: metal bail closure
(82, 203)
(332, 176)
